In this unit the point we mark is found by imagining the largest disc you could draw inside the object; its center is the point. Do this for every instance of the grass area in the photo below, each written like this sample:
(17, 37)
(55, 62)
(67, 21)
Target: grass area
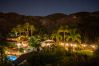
(85, 52)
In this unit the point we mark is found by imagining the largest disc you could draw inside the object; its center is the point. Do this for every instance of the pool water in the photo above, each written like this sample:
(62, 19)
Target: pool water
(11, 58)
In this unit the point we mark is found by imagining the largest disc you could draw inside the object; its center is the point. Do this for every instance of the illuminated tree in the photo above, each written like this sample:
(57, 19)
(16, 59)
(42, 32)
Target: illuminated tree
(64, 30)
(34, 41)
(18, 30)
(56, 36)
(15, 31)
(25, 29)
(28, 29)
(32, 29)
(73, 36)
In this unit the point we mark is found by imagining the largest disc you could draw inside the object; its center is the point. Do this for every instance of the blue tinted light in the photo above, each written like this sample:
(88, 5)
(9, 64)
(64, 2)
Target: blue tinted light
(11, 58)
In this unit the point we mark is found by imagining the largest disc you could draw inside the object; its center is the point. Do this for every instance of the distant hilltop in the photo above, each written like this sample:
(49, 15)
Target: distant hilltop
(84, 20)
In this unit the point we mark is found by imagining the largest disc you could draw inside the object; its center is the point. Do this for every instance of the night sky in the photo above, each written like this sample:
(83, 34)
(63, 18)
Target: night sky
(46, 7)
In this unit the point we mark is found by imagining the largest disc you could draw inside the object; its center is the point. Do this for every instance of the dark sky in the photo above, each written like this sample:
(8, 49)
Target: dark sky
(45, 7)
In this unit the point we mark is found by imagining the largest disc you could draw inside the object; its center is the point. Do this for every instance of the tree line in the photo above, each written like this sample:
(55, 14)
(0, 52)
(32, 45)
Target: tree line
(85, 23)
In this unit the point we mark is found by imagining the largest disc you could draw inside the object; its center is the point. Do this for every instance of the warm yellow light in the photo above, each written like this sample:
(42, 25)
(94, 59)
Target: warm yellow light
(48, 44)
(94, 46)
(66, 44)
(71, 45)
(62, 44)
(83, 45)
(19, 45)
(75, 45)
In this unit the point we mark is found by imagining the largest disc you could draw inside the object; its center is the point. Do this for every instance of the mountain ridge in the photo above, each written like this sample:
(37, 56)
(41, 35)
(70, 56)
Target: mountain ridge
(50, 22)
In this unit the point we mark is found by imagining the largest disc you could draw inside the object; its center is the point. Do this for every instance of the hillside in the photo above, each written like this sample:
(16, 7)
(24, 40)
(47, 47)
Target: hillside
(86, 22)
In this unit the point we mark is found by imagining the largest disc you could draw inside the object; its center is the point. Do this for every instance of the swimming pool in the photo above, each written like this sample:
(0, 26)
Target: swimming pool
(11, 58)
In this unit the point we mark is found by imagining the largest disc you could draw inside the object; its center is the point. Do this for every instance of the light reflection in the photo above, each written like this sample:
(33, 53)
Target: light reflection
(73, 46)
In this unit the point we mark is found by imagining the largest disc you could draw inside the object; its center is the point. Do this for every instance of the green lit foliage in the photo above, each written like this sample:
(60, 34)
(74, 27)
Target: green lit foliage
(45, 37)
(34, 41)
(25, 29)
(21, 50)
(64, 30)
(56, 36)
(17, 30)
(85, 52)
(74, 36)
(21, 38)
(28, 29)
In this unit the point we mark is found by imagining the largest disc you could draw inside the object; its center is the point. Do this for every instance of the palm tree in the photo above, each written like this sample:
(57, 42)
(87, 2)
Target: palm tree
(15, 31)
(18, 30)
(26, 28)
(56, 36)
(64, 30)
(74, 36)
(32, 29)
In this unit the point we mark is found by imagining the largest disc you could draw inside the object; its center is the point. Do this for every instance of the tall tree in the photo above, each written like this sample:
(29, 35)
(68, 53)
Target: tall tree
(28, 29)
(64, 30)
(25, 29)
(32, 29)
(74, 36)
(34, 41)
(15, 31)
(56, 36)
(18, 30)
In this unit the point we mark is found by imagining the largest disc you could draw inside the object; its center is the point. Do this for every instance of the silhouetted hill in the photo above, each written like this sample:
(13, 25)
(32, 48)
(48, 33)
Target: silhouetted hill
(81, 13)
(56, 16)
(87, 22)
(96, 13)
